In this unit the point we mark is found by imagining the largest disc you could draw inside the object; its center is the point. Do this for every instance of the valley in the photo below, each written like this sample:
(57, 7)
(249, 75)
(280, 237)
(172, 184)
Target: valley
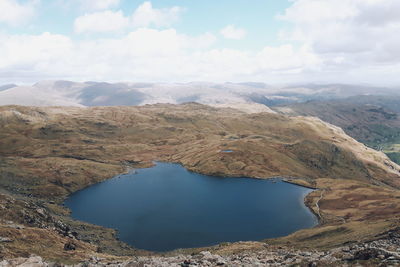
(50, 152)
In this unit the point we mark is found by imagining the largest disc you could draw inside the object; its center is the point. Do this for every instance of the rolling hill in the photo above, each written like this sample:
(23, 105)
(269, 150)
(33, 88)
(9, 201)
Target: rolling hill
(49, 152)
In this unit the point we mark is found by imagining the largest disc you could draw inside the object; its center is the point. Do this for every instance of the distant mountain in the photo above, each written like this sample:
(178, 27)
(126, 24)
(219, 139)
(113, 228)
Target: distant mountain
(6, 87)
(67, 93)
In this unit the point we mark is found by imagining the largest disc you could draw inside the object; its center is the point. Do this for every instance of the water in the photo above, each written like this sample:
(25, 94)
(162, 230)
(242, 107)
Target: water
(167, 207)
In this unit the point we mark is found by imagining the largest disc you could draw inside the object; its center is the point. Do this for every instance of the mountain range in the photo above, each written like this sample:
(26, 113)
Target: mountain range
(67, 93)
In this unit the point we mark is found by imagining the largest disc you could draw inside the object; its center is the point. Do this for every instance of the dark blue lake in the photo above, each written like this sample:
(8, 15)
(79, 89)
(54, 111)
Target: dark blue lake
(167, 207)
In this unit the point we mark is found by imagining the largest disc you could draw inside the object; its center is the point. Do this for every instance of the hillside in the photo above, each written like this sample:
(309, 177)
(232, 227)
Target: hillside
(372, 120)
(49, 152)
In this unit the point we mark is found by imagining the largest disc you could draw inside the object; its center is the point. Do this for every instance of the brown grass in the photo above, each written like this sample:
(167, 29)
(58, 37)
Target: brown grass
(47, 153)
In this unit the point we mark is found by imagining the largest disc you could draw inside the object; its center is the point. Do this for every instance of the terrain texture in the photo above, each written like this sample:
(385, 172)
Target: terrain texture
(49, 152)
(372, 120)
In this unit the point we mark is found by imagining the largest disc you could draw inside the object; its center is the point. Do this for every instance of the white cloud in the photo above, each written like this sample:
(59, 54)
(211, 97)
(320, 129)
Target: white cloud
(24, 54)
(105, 21)
(287, 59)
(141, 55)
(202, 41)
(313, 11)
(110, 21)
(347, 33)
(327, 41)
(14, 13)
(98, 4)
(145, 15)
(232, 32)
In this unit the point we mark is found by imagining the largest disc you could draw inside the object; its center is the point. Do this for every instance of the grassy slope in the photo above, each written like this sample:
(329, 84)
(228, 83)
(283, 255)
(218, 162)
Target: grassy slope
(372, 120)
(47, 153)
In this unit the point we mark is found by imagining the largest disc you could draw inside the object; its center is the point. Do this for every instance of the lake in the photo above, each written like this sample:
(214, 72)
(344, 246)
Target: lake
(167, 207)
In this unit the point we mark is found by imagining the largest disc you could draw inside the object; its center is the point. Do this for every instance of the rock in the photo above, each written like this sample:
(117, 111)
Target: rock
(220, 262)
(366, 254)
(376, 253)
(16, 226)
(205, 254)
(41, 212)
(69, 246)
(33, 261)
(345, 249)
(381, 257)
(306, 254)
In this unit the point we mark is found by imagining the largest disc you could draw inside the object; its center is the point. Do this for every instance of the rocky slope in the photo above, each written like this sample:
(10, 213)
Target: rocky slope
(381, 252)
(48, 153)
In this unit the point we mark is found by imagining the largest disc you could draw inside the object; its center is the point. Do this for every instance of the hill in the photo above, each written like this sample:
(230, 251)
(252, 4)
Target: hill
(372, 120)
(47, 153)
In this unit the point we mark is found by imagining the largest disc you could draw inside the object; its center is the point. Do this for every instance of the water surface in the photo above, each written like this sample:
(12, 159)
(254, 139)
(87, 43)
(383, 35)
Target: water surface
(167, 207)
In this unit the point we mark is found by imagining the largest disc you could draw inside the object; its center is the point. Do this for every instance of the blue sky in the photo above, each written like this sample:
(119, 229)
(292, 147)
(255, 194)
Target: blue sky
(259, 18)
(273, 41)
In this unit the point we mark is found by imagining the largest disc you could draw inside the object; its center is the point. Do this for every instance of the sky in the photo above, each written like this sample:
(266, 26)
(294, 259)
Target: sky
(272, 41)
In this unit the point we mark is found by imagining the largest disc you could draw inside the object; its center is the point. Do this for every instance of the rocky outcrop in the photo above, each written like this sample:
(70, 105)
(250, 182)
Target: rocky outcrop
(384, 252)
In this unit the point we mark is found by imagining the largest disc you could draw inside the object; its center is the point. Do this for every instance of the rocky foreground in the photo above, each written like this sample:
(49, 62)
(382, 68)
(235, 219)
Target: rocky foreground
(384, 252)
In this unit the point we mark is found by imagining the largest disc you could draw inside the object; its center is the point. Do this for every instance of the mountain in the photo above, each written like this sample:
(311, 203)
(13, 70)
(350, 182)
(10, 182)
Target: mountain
(48, 153)
(67, 93)
(372, 120)
(7, 86)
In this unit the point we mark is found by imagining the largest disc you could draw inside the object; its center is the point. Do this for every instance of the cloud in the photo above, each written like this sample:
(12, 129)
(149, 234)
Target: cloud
(141, 55)
(347, 33)
(167, 56)
(92, 5)
(145, 15)
(14, 13)
(202, 41)
(232, 32)
(110, 21)
(105, 21)
(24, 54)
(287, 59)
(324, 41)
